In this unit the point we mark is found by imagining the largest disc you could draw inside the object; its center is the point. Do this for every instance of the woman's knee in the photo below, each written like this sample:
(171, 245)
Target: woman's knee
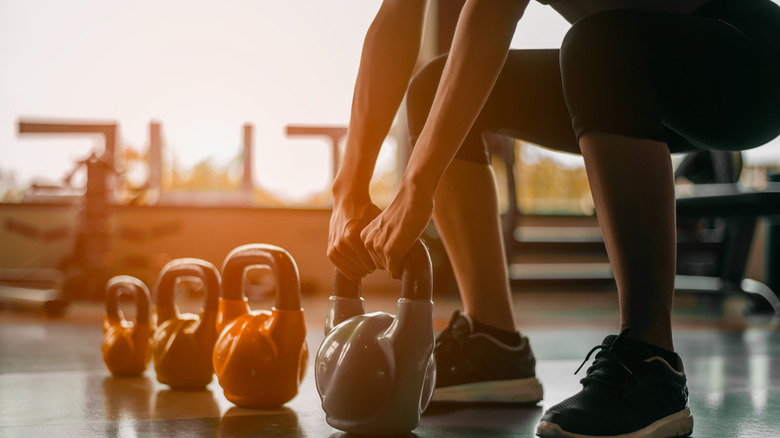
(603, 40)
(607, 76)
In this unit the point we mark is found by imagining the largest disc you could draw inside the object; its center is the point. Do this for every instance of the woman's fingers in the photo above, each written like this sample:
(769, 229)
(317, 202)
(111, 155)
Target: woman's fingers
(351, 259)
(345, 247)
(355, 247)
(370, 239)
(396, 267)
(390, 235)
(346, 265)
(387, 245)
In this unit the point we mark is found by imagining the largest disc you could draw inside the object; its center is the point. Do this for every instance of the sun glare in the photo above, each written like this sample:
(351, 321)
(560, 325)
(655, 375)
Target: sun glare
(203, 70)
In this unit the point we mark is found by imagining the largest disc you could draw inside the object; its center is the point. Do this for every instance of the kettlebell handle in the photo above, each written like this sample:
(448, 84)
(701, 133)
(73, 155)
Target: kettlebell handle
(281, 263)
(188, 267)
(346, 288)
(416, 280)
(121, 283)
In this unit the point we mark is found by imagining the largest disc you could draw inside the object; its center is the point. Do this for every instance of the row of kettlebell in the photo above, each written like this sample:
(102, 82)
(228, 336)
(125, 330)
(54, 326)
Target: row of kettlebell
(259, 357)
(375, 373)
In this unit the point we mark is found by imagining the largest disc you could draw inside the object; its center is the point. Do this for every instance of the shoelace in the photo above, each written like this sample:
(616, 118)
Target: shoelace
(606, 358)
(449, 340)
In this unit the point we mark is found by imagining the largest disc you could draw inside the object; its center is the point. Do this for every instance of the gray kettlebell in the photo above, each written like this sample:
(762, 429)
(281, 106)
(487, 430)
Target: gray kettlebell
(375, 372)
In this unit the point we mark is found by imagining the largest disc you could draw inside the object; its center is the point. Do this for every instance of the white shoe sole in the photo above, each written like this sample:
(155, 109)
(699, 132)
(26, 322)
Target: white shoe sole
(679, 424)
(500, 391)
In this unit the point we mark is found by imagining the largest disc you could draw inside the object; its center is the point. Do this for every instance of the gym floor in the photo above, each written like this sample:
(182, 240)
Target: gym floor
(53, 381)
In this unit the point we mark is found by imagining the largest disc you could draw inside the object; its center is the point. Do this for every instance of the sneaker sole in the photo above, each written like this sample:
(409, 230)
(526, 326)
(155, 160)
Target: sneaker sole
(679, 424)
(503, 391)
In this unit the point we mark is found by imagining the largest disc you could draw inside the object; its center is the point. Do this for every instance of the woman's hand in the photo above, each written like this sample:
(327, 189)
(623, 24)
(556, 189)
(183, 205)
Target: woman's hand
(391, 234)
(345, 248)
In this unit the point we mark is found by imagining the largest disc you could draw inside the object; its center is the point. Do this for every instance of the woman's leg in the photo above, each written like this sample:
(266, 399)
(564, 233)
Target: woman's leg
(639, 84)
(467, 217)
(481, 356)
(632, 184)
(527, 102)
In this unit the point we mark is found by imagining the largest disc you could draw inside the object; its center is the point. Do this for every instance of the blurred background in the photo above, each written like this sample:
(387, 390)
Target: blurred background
(224, 124)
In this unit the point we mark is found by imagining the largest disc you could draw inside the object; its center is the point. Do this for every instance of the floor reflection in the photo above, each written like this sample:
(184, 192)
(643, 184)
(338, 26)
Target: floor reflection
(127, 398)
(171, 403)
(734, 390)
(489, 420)
(240, 422)
(353, 435)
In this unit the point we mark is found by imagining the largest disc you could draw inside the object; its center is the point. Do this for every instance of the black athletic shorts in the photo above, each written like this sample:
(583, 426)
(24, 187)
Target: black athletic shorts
(708, 80)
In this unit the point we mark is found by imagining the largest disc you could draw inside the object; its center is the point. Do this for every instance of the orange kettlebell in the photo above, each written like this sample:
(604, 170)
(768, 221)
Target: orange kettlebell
(183, 343)
(126, 344)
(260, 357)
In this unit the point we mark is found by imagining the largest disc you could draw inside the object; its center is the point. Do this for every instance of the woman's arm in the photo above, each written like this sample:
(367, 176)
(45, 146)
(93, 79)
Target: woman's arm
(480, 46)
(389, 52)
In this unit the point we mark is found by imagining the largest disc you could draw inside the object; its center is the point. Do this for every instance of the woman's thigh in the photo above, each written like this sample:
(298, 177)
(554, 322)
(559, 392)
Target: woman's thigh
(695, 82)
(526, 103)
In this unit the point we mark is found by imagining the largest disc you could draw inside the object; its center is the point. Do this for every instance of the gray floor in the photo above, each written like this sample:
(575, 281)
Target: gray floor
(53, 381)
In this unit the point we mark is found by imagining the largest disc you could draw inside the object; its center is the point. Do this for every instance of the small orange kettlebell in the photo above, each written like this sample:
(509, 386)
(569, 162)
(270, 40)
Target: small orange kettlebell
(126, 344)
(260, 357)
(182, 344)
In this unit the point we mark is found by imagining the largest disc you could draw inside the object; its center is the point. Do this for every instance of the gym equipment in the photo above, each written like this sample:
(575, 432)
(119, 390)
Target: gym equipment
(182, 344)
(375, 372)
(126, 344)
(716, 227)
(86, 272)
(260, 357)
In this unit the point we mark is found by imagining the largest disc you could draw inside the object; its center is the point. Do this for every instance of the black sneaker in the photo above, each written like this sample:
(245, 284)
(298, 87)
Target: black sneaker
(628, 392)
(475, 367)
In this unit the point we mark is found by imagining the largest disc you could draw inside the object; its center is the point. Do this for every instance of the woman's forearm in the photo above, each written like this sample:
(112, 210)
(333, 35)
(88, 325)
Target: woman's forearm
(389, 52)
(479, 49)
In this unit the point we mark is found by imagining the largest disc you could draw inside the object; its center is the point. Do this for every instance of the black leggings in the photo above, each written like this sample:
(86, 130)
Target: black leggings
(709, 80)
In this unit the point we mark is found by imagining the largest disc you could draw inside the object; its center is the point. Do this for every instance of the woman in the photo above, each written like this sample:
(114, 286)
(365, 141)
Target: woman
(633, 82)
